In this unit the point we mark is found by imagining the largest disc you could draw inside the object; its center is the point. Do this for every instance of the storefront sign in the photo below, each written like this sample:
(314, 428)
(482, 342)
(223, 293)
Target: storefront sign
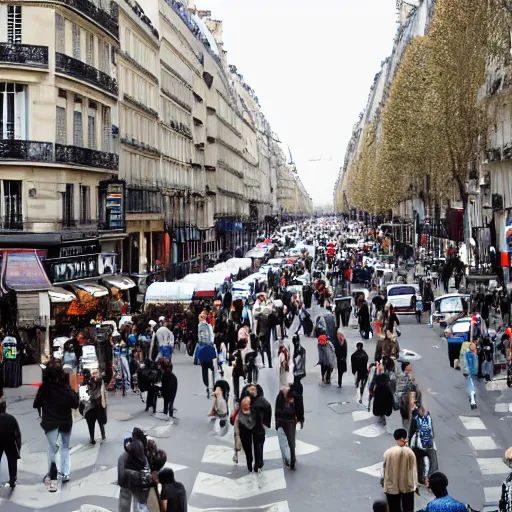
(23, 271)
(78, 250)
(67, 269)
(115, 206)
(79, 235)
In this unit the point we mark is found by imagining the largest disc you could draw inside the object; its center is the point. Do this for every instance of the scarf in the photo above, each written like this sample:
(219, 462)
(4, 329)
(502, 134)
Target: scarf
(247, 420)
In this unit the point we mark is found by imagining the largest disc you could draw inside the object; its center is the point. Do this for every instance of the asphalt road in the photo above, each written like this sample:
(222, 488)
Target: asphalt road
(339, 453)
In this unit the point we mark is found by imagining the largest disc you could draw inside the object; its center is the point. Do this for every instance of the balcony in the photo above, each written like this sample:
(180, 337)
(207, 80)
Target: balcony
(24, 55)
(33, 151)
(141, 201)
(108, 21)
(85, 156)
(82, 71)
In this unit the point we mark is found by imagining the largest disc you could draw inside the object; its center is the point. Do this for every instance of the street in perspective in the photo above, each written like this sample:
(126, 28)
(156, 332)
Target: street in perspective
(198, 314)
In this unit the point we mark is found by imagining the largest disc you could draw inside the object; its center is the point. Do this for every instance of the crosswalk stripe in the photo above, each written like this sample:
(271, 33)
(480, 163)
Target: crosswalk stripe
(496, 385)
(280, 506)
(492, 466)
(361, 415)
(374, 470)
(242, 488)
(374, 430)
(472, 423)
(492, 495)
(483, 443)
(503, 408)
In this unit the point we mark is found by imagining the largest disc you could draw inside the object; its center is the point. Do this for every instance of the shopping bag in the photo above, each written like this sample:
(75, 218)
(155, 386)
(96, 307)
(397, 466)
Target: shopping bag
(283, 445)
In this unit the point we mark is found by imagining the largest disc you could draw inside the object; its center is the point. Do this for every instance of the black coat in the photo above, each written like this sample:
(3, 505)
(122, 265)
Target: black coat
(56, 402)
(173, 492)
(169, 385)
(383, 398)
(359, 362)
(10, 434)
(341, 355)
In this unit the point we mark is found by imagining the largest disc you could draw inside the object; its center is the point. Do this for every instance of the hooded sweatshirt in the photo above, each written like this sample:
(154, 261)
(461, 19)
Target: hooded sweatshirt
(56, 402)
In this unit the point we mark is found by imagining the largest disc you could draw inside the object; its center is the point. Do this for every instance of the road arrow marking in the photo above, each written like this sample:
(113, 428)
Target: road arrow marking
(374, 430)
(241, 488)
(375, 470)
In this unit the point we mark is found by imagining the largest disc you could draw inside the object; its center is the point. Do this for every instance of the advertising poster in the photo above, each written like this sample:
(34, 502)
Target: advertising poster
(508, 231)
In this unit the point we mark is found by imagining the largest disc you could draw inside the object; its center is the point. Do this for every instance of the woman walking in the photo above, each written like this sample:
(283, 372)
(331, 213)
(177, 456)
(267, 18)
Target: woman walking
(245, 424)
(55, 401)
(287, 417)
(169, 386)
(383, 398)
(340, 347)
(326, 358)
(96, 407)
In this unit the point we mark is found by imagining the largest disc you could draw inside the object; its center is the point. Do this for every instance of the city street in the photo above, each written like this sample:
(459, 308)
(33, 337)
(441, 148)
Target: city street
(339, 451)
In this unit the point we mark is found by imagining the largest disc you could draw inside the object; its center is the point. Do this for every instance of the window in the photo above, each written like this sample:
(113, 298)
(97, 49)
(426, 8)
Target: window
(60, 34)
(68, 218)
(89, 43)
(12, 111)
(78, 133)
(76, 41)
(14, 24)
(91, 126)
(107, 130)
(85, 204)
(61, 136)
(12, 207)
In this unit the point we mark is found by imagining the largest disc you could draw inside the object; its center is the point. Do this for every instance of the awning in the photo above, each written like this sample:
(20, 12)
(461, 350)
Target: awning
(92, 289)
(119, 282)
(59, 295)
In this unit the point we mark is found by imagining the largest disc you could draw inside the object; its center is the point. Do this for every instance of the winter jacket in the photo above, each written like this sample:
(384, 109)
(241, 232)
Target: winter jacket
(326, 354)
(261, 408)
(169, 384)
(359, 363)
(383, 398)
(173, 492)
(56, 402)
(285, 410)
(10, 434)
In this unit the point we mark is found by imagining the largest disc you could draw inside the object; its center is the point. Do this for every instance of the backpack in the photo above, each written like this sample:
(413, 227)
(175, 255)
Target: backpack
(425, 431)
(203, 334)
(166, 351)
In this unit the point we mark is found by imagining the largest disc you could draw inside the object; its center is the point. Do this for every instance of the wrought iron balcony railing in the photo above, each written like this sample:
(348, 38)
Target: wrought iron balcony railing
(12, 222)
(109, 21)
(11, 149)
(24, 55)
(86, 156)
(82, 71)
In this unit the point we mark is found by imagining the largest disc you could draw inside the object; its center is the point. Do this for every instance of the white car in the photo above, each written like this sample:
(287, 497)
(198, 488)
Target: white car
(400, 296)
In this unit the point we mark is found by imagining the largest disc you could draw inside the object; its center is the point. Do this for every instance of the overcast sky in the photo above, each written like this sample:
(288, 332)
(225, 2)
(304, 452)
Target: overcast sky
(311, 64)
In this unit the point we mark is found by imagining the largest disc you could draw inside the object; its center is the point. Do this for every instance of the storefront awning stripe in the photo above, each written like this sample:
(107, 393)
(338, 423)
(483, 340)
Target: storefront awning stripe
(93, 289)
(59, 295)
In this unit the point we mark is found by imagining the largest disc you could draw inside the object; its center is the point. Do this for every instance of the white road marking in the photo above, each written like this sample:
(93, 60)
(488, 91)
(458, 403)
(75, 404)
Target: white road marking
(483, 443)
(472, 423)
(280, 506)
(221, 454)
(361, 415)
(375, 470)
(496, 385)
(503, 408)
(175, 467)
(492, 494)
(492, 466)
(241, 488)
(409, 355)
(374, 430)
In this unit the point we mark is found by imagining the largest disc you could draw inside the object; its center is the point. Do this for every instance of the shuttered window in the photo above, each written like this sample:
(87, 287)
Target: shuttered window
(90, 49)
(78, 133)
(61, 136)
(60, 33)
(12, 111)
(14, 24)
(91, 127)
(107, 130)
(76, 41)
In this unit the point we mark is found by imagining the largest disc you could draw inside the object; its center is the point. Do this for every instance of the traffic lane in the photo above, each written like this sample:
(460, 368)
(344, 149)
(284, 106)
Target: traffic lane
(445, 395)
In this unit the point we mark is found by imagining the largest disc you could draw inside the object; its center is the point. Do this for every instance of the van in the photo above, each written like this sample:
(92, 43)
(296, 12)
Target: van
(401, 295)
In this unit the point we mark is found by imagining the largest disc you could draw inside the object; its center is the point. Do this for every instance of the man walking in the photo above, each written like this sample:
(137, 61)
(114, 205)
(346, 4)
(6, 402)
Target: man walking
(400, 474)
(359, 363)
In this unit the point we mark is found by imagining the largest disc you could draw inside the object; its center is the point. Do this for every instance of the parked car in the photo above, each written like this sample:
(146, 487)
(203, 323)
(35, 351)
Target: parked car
(401, 297)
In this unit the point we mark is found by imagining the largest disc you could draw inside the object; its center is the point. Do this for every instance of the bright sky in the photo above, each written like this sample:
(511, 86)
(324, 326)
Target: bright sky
(311, 64)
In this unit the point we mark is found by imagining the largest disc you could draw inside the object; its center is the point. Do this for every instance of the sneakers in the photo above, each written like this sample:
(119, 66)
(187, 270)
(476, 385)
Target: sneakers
(52, 485)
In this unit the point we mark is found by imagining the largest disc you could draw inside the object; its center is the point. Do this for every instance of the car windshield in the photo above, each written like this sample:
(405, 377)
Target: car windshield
(402, 290)
(451, 304)
(461, 327)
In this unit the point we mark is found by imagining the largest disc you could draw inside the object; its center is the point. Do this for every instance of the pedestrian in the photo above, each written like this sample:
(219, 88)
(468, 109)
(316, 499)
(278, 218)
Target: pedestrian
(169, 387)
(137, 461)
(157, 460)
(262, 411)
(96, 407)
(472, 369)
(392, 322)
(363, 315)
(380, 391)
(153, 376)
(55, 400)
(245, 424)
(438, 485)
(10, 440)
(205, 351)
(359, 365)
(340, 348)
(421, 441)
(418, 308)
(326, 358)
(284, 365)
(173, 496)
(505, 504)
(299, 362)
(400, 474)
(220, 408)
(286, 418)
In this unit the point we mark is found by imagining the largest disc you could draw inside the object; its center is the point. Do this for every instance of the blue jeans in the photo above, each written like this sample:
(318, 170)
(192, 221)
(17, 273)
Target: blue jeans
(65, 437)
(488, 368)
(471, 389)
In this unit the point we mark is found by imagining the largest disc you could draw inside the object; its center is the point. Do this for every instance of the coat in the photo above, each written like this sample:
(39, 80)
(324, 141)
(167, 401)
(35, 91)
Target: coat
(56, 402)
(341, 355)
(326, 355)
(383, 398)
(359, 363)
(10, 434)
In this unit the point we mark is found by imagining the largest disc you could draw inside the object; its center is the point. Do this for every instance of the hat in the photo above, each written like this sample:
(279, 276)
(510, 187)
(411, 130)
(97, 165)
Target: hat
(322, 339)
(152, 323)
(162, 319)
